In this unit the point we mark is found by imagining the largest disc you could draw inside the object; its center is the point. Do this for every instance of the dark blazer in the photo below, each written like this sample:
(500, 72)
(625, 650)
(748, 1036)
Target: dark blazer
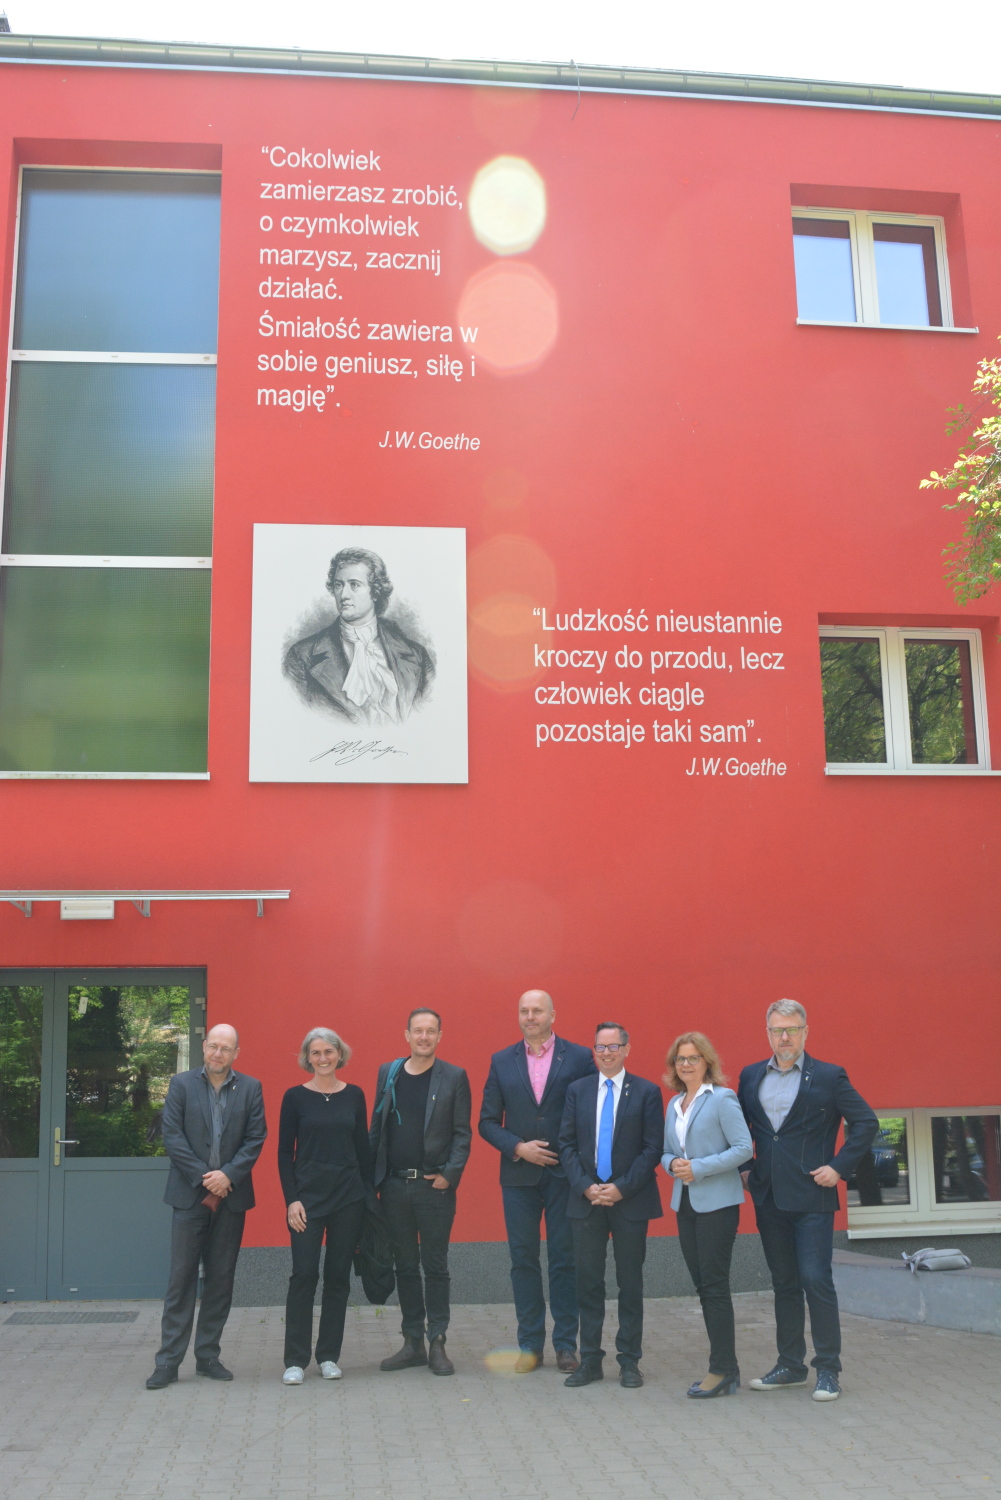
(784, 1159)
(510, 1113)
(636, 1146)
(448, 1132)
(187, 1136)
(318, 665)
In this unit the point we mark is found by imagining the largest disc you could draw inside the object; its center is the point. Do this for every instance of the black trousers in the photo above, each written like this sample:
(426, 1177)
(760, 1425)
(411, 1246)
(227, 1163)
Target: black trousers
(419, 1219)
(590, 1247)
(198, 1234)
(342, 1229)
(707, 1245)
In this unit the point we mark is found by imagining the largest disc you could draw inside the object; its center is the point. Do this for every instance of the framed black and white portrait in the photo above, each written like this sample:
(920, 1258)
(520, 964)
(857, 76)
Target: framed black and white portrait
(358, 656)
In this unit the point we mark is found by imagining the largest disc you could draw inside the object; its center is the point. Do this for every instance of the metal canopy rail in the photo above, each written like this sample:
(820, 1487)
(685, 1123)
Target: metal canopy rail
(141, 900)
(112, 52)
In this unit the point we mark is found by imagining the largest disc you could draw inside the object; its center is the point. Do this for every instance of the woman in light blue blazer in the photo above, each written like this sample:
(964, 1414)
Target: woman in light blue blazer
(706, 1141)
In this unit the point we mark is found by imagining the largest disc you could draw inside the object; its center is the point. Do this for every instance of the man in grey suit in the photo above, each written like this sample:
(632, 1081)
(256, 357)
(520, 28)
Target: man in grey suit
(420, 1139)
(213, 1129)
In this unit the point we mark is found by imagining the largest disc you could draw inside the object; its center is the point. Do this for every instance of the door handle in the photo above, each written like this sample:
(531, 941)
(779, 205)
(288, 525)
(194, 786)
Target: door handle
(58, 1145)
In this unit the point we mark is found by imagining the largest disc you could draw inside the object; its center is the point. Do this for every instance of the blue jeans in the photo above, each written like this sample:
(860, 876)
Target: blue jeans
(523, 1210)
(798, 1249)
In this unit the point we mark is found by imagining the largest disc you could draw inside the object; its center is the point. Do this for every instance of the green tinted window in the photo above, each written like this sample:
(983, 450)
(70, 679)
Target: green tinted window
(130, 469)
(940, 702)
(20, 1069)
(854, 723)
(118, 261)
(104, 669)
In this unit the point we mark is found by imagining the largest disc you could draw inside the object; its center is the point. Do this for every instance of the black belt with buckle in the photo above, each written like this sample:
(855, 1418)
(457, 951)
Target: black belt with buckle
(408, 1174)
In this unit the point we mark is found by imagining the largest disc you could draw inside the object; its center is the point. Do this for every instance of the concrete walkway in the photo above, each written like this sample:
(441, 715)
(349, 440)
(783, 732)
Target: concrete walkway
(917, 1419)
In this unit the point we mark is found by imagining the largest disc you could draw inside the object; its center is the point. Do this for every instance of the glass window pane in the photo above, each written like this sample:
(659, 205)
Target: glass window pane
(853, 700)
(940, 703)
(882, 1177)
(20, 1069)
(124, 1044)
(966, 1158)
(124, 261)
(104, 669)
(825, 284)
(907, 274)
(110, 459)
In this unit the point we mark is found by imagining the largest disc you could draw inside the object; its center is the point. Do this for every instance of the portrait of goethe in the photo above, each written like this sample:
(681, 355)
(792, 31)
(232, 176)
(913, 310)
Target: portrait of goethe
(358, 658)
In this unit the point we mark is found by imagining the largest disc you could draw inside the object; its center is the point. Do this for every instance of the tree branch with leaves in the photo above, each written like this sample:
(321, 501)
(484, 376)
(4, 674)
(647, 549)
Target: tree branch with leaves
(973, 564)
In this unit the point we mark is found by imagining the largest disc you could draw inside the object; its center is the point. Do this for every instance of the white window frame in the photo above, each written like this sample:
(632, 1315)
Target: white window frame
(923, 1215)
(896, 718)
(860, 223)
(75, 560)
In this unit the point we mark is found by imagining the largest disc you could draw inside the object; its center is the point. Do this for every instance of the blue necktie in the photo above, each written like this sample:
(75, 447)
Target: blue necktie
(605, 1130)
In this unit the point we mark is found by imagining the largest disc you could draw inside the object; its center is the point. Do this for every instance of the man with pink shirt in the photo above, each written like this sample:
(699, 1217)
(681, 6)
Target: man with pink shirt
(522, 1108)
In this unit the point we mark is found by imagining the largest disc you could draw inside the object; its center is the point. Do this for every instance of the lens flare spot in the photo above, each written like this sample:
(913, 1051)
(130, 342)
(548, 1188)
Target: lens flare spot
(515, 311)
(509, 578)
(501, 1361)
(507, 205)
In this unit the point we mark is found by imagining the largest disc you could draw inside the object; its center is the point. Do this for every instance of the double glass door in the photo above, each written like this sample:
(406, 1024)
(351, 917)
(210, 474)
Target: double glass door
(85, 1062)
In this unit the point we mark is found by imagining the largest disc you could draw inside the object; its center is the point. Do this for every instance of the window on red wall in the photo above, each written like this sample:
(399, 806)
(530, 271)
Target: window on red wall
(108, 474)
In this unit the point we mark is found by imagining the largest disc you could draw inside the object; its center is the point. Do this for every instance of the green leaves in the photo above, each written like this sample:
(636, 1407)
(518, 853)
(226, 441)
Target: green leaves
(973, 564)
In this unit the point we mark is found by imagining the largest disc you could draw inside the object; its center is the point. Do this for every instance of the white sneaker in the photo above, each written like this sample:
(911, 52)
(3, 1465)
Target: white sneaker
(330, 1371)
(293, 1376)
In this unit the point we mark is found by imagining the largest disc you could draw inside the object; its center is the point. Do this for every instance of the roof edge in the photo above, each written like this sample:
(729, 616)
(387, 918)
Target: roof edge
(108, 52)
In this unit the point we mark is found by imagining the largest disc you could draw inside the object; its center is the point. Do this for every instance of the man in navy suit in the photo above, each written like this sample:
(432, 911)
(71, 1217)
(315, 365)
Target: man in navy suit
(794, 1106)
(523, 1101)
(611, 1140)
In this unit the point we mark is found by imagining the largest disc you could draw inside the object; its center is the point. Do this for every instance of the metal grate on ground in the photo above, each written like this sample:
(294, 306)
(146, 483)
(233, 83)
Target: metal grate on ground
(21, 1318)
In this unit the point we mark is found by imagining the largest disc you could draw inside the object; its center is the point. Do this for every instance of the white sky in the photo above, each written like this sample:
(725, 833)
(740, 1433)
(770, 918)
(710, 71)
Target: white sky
(924, 43)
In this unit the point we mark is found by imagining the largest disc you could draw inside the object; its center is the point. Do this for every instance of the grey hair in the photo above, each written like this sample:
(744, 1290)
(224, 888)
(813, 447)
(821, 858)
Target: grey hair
(785, 1008)
(323, 1034)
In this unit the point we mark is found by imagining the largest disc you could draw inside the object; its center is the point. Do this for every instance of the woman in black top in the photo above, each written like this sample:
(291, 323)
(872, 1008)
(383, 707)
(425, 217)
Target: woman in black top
(325, 1167)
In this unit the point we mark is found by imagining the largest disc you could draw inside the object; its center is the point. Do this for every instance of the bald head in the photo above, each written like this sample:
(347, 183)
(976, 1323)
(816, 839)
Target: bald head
(220, 1050)
(535, 1017)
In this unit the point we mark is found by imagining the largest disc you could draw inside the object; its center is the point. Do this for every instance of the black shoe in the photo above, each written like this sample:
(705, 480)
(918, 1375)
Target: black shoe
(161, 1377)
(728, 1386)
(438, 1361)
(213, 1368)
(781, 1378)
(413, 1353)
(587, 1371)
(630, 1376)
(566, 1361)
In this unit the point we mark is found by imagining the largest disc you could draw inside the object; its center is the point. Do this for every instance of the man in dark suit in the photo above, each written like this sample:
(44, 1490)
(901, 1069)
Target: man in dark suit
(362, 667)
(611, 1140)
(794, 1106)
(420, 1139)
(523, 1103)
(213, 1131)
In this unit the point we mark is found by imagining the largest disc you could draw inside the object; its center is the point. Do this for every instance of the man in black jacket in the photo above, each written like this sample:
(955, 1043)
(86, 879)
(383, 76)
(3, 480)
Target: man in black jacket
(794, 1106)
(523, 1102)
(611, 1139)
(213, 1131)
(420, 1140)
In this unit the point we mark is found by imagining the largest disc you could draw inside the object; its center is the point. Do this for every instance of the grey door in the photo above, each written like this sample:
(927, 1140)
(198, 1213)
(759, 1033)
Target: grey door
(85, 1061)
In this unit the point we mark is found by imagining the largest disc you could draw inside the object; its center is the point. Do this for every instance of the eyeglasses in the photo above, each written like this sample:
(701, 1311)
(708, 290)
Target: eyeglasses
(688, 1062)
(608, 1046)
(785, 1030)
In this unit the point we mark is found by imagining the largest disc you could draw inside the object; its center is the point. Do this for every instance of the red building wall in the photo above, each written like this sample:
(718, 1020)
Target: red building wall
(684, 445)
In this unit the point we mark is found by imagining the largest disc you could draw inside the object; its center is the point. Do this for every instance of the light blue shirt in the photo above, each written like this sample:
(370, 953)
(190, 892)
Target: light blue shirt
(778, 1090)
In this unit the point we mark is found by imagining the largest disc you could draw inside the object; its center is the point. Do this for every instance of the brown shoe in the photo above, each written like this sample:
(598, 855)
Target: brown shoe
(438, 1361)
(527, 1361)
(412, 1353)
(566, 1361)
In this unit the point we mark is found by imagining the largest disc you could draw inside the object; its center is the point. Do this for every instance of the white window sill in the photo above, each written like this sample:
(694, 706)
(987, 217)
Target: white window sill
(875, 770)
(896, 1230)
(104, 776)
(893, 327)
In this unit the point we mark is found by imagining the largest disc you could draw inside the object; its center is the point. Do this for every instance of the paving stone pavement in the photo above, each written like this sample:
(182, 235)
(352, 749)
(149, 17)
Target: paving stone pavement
(918, 1418)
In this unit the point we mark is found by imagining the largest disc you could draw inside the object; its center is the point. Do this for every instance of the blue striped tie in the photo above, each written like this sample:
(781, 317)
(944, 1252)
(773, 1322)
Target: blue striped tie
(605, 1130)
